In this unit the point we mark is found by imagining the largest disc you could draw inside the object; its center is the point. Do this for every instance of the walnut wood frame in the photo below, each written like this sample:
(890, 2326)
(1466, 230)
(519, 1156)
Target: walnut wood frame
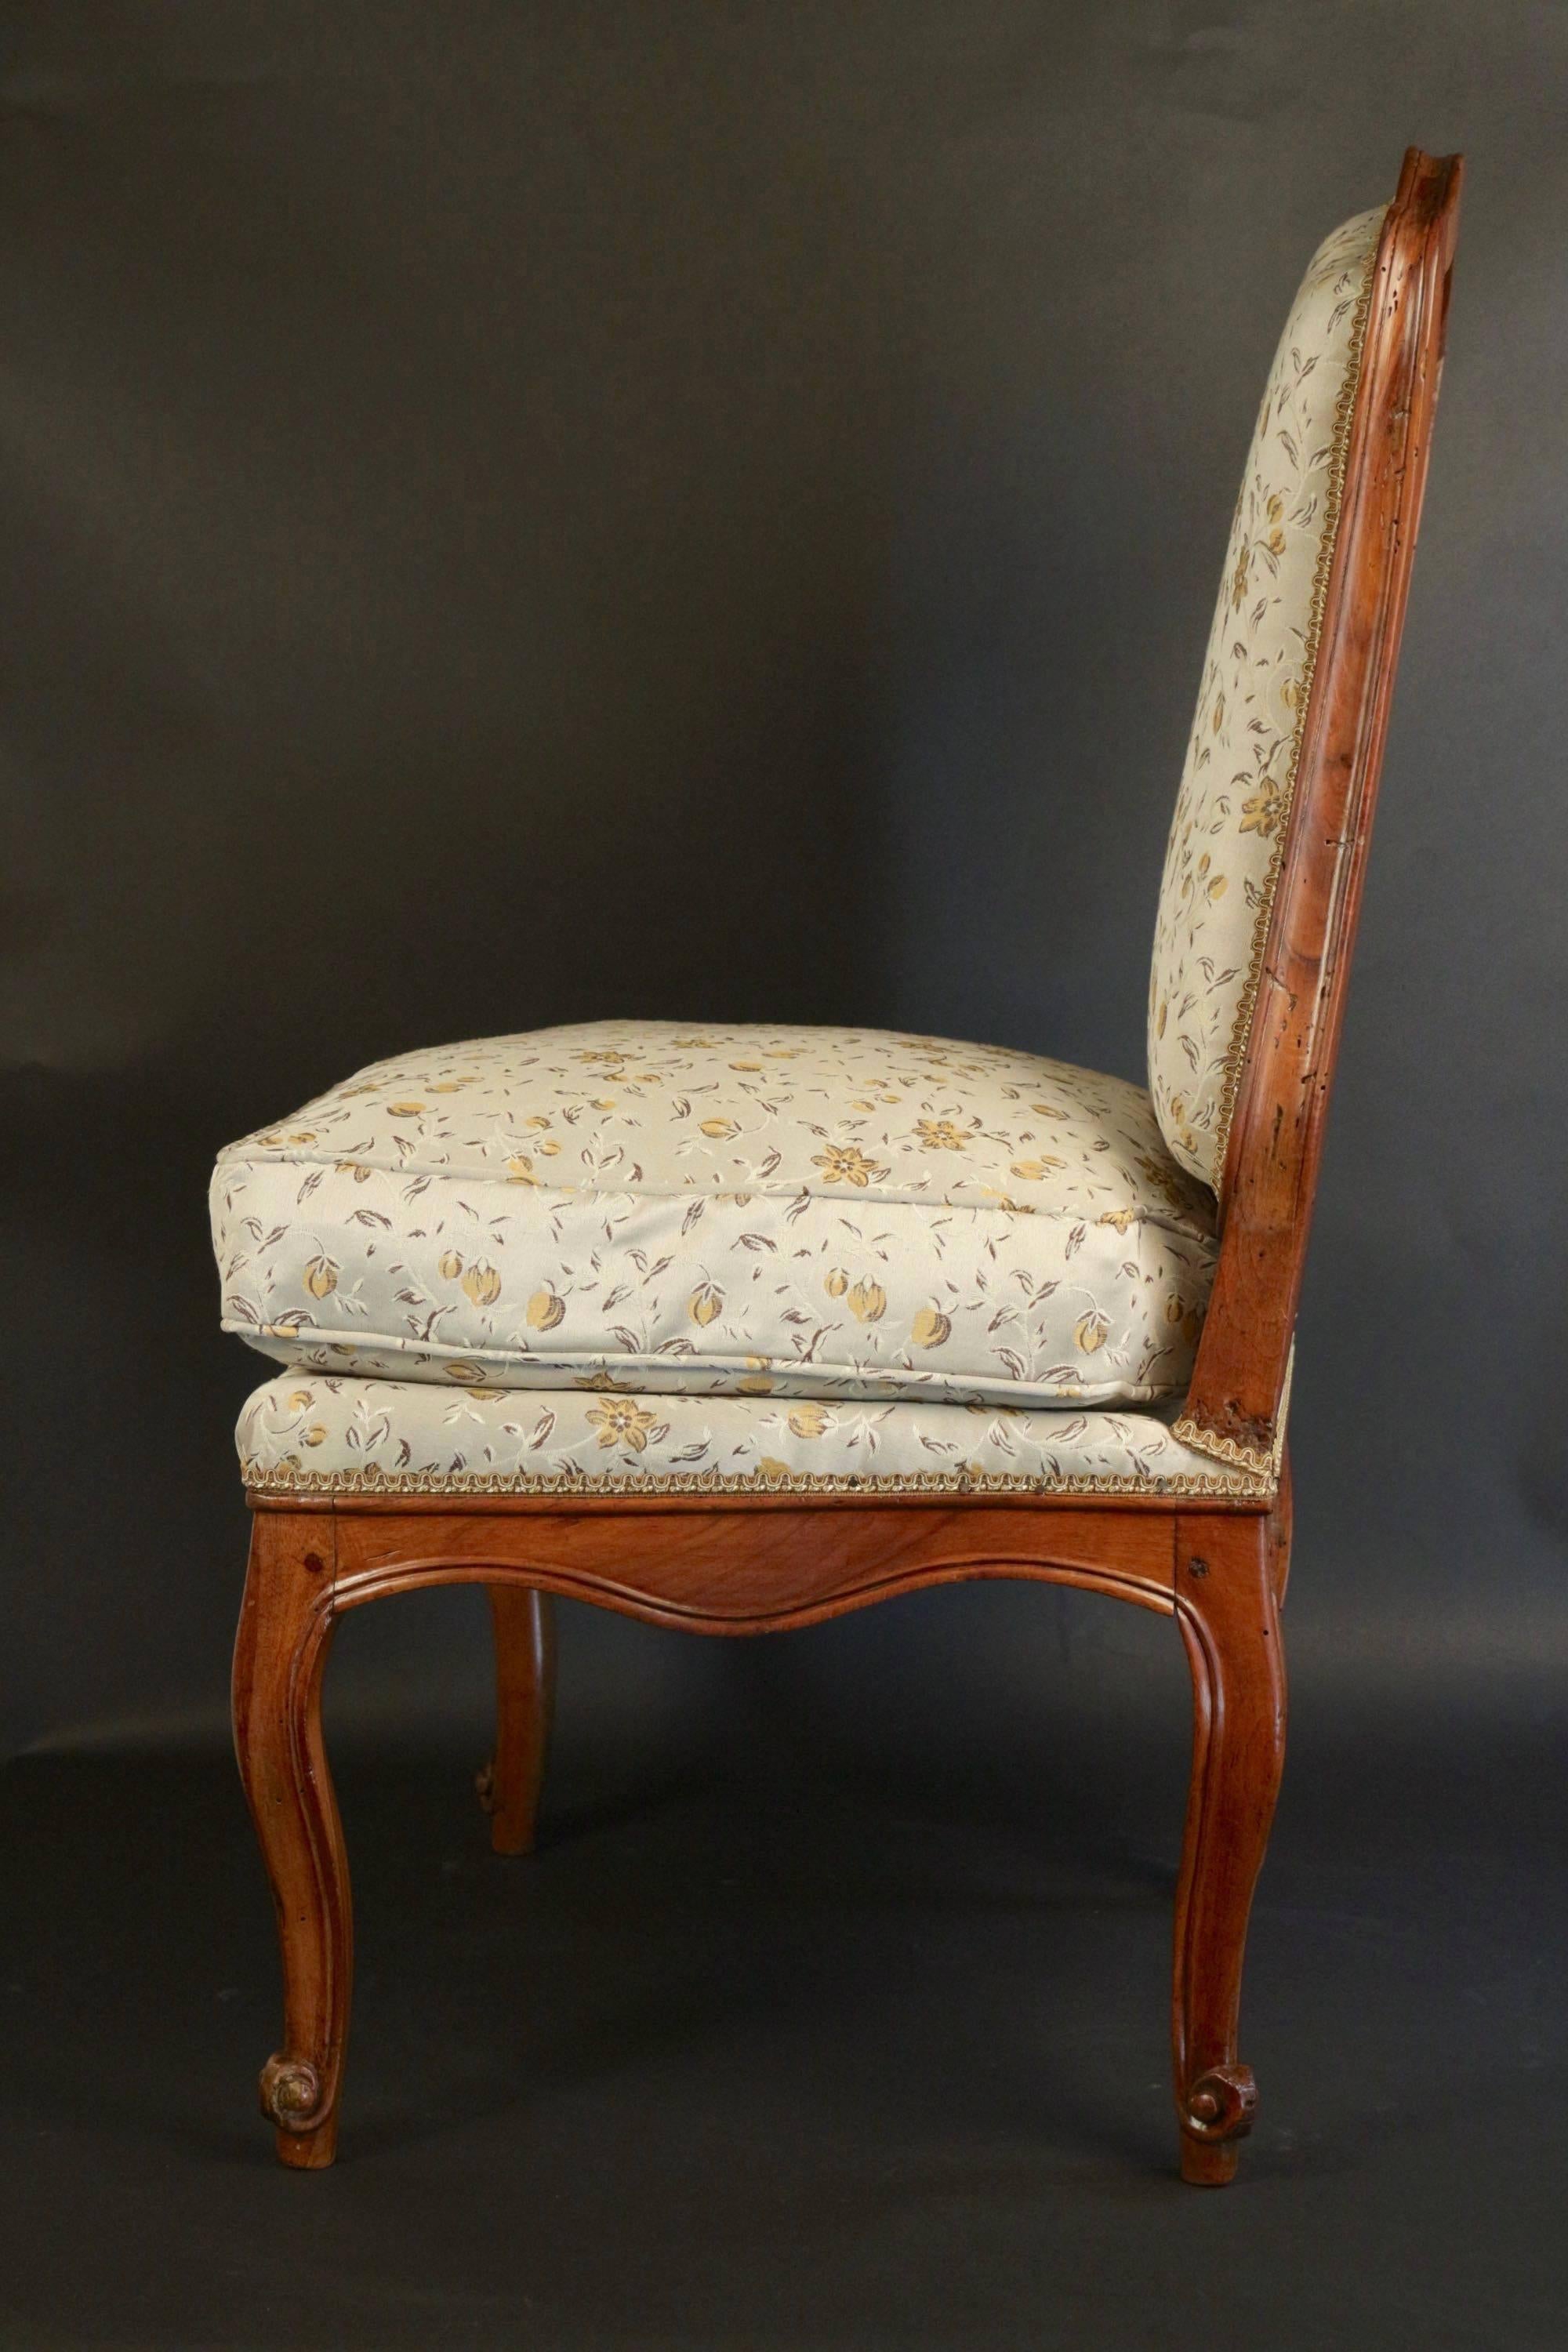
(731, 1563)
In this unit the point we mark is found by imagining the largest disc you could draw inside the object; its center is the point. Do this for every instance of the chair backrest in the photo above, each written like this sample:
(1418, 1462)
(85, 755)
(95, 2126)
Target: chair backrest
(1263, 876)
(1229, 833)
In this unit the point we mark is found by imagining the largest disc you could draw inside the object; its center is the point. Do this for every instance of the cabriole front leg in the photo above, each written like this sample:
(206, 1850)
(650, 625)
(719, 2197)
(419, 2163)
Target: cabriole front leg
(1228, 1574)
(285, 1633)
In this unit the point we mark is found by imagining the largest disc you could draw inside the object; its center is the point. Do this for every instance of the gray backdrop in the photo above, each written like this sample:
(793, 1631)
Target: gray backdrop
(514, 514)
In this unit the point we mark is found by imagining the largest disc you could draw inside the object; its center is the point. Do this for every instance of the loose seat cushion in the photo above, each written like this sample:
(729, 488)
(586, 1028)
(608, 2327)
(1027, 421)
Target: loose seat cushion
(304, 1434)
(724, 1211)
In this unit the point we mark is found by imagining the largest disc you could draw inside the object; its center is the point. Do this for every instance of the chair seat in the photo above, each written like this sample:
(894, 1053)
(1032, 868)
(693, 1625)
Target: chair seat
(305, 1433)
(736, 1212)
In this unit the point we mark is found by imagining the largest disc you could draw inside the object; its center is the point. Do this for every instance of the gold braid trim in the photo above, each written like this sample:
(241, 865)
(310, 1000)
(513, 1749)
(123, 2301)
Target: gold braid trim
(284, 1480)
(1248, 1458)
(1241, 1028)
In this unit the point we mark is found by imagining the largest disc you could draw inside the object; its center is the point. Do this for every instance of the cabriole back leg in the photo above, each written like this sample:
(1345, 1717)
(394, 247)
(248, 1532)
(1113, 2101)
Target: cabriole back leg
(1227, 1575)
(510, 1785)
(285, 1633)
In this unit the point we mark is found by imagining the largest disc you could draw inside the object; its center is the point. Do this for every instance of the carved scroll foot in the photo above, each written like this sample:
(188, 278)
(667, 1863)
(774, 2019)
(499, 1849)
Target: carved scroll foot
(294, 2100)
(1228, 1573)
(510, 1784)
(1216, 2113)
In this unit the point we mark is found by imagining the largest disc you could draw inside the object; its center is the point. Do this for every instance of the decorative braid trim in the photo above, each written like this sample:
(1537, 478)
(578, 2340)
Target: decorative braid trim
(1251, 1459)
(1241, 1029)
(1248, 1458)
(370, 1481)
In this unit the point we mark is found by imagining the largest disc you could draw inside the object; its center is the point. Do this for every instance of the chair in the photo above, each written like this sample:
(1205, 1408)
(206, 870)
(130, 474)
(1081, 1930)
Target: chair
(738, 1328)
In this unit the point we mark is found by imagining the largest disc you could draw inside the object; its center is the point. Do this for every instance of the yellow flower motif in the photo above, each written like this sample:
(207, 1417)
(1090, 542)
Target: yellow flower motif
(931, 1329)
(867, 1302)
(321, 1277)
(808, 1419)
(845, 1163)
(745, 1065)
(482, 1283)
(1120, 1218)
(449, 1265)
(521, 1168)
(1090, 1331)
(754, 1384)
(1167, 1179)
(470, 1376)
(704, 1304)
(771, 1469)
(720, 1129)
(940, 1135)
(621, 1421)
(404, 1109)
(1263, 809)
(836, 1282)
(1032, 1171)
(361, 1175)
(544, 1310)
(315, 1434)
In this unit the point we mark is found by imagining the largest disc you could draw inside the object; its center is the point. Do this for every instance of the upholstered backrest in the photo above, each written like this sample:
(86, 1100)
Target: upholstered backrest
(1225, 844)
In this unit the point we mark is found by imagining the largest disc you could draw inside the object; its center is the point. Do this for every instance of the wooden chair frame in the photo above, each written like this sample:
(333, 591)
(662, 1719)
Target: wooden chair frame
(730, 1563)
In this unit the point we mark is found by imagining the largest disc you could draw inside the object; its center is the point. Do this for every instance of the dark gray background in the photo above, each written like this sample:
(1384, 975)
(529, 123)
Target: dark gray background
(516, 513)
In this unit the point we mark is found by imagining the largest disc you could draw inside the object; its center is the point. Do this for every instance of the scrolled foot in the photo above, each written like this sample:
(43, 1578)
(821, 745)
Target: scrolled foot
(1220, 2105)
(292, 2094)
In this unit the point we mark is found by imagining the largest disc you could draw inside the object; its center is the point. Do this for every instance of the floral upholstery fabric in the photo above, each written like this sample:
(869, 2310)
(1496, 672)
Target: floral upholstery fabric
(1226, 843)
(302, 1433)
(809, 1213)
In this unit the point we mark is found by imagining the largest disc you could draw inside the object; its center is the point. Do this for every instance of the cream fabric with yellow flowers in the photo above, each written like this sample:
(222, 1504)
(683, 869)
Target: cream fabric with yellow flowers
(809, 1213)
(1223, 860)
(302, 1433)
